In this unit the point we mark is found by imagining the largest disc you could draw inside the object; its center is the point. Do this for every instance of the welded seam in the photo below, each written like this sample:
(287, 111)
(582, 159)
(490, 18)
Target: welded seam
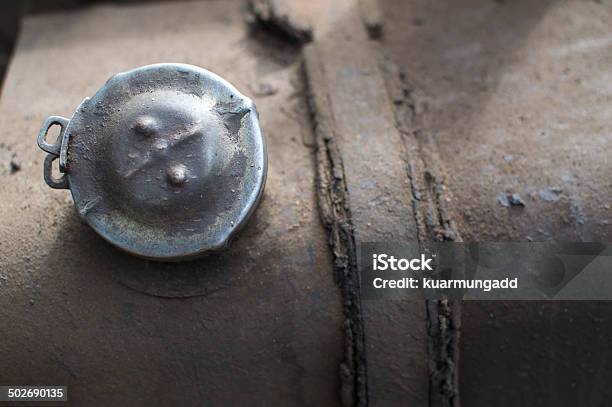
(434, 223)
(333, 202)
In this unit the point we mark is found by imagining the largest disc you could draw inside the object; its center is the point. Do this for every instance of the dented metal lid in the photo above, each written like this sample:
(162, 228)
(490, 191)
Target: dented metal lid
(166, 161)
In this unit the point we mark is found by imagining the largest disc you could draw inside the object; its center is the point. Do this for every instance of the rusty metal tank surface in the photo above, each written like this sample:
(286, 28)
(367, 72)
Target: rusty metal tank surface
(165, 161)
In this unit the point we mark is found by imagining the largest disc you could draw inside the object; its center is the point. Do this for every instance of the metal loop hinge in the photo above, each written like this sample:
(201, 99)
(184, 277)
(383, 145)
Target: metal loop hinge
(55, 150)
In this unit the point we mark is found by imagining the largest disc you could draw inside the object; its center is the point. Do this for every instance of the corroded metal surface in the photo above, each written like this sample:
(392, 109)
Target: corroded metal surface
(387, 341)
(241, 328)
(514, 99)
(166, 161)
(257, 324)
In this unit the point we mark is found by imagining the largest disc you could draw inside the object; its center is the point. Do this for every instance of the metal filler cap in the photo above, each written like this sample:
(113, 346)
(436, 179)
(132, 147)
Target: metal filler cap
(166, 161)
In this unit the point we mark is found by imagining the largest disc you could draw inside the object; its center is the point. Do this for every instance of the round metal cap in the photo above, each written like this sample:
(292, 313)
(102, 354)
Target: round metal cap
(166, 161)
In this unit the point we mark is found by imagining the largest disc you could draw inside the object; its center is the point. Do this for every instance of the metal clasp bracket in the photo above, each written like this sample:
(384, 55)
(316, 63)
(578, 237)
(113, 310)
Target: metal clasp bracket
(56, 150)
